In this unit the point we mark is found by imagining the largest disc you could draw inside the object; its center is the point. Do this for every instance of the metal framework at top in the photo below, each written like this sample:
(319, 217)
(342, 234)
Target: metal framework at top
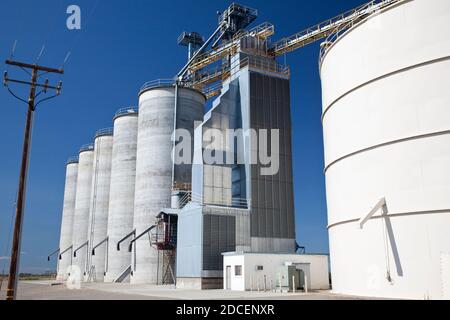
(224, 42)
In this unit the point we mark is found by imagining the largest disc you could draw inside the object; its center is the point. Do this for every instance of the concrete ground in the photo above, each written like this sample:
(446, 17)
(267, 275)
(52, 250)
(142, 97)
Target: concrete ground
(51, 290)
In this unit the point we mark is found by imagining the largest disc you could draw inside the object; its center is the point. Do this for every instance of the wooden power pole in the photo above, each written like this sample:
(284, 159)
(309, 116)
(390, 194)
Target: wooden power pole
(34, 85)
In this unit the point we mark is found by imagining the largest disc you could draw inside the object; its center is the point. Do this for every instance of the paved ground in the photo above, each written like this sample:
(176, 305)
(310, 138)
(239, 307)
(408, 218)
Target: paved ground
(49, 290)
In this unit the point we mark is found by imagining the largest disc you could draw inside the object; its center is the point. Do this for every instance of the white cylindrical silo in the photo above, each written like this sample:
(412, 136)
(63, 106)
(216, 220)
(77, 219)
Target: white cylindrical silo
(81, 216)
(386, 119)
(154, 166)
(65, 243)
(121, 195)
(98, 214)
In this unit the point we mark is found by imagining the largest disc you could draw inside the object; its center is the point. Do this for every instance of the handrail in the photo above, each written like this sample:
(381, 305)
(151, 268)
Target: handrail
(130, 247)
(104, 132)
(192, 197)
(78, 249)
(284, 43)
(123, 275)
(157, 83)
(87, 147)
(350, 18)
(126, 111)
(71, 160)
(99, 244)
(125, 238)
(300, 248)
(52, 254)
(63, 252)
(234, 6)
(263, 30)
(228, 72)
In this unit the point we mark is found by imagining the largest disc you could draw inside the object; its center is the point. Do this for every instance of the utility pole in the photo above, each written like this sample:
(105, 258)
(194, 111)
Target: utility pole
(34, 85)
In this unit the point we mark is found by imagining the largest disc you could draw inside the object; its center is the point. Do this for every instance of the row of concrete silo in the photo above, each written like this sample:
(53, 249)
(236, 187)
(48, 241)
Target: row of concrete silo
(120, 183)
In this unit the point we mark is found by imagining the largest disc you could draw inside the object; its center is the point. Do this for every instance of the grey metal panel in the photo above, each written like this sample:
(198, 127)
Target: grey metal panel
(290, 208)
(219, 235)
(270, 106)
(189, 245)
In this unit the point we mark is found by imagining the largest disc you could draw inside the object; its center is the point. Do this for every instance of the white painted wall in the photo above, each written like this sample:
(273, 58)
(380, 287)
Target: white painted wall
(251, 279)
(387, 135)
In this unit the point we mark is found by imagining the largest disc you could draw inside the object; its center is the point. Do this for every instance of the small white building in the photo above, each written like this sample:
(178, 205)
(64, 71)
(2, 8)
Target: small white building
(256, 271)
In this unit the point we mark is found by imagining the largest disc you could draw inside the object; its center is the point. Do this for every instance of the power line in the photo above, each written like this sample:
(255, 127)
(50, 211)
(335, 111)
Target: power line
(79, 35)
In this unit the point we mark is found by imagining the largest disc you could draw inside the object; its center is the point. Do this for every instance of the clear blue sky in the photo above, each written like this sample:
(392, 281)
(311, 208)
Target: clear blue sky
(122, 45)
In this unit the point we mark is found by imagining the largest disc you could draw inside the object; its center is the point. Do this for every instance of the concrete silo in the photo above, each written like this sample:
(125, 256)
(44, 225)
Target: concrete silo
(121, 196)
(98, 214)
(155, 170)
(386, 119)
(81, 216)
(65, 243)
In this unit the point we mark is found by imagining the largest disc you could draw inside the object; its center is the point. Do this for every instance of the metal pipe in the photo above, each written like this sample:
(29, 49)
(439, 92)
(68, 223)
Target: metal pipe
(132, 233)
(130, 247)
(79, 248)
(106, 240)
(52, 254)
(63, 252)
(71, 257)
(99, 244)
(186, 67)
(174, 132)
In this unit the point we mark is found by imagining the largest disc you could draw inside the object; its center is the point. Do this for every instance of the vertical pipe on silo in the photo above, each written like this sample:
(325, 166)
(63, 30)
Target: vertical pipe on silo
(98, 214)
(82, 206)
(121, 196)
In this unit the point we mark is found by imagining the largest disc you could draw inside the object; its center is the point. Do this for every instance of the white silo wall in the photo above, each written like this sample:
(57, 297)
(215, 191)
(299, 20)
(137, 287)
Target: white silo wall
(82, 205)
(121, 196)
(386, 120)
(154, 165)
(67, 219)
(98, 215)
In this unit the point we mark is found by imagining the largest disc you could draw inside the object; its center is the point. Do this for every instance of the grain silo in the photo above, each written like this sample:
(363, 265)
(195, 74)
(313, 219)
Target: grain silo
(65, 244)
(121, 196)
(98, 215)
(82, 205)
(156, 174)
(386, 119)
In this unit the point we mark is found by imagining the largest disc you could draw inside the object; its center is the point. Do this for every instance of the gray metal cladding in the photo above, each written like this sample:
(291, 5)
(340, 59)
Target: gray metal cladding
(272, 196)
(219, 235)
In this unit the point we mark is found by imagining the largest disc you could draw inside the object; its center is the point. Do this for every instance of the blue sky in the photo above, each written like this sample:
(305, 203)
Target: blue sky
(121, 45)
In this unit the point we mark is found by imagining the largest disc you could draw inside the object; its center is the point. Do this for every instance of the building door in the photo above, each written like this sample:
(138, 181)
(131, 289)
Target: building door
(228, 278)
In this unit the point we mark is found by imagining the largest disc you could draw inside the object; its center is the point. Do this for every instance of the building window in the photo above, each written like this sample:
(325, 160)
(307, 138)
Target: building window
(238, 270)
(259, 268)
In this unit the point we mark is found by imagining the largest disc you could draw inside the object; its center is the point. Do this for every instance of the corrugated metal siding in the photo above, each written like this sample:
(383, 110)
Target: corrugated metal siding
(272, 196)
(219, 235)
